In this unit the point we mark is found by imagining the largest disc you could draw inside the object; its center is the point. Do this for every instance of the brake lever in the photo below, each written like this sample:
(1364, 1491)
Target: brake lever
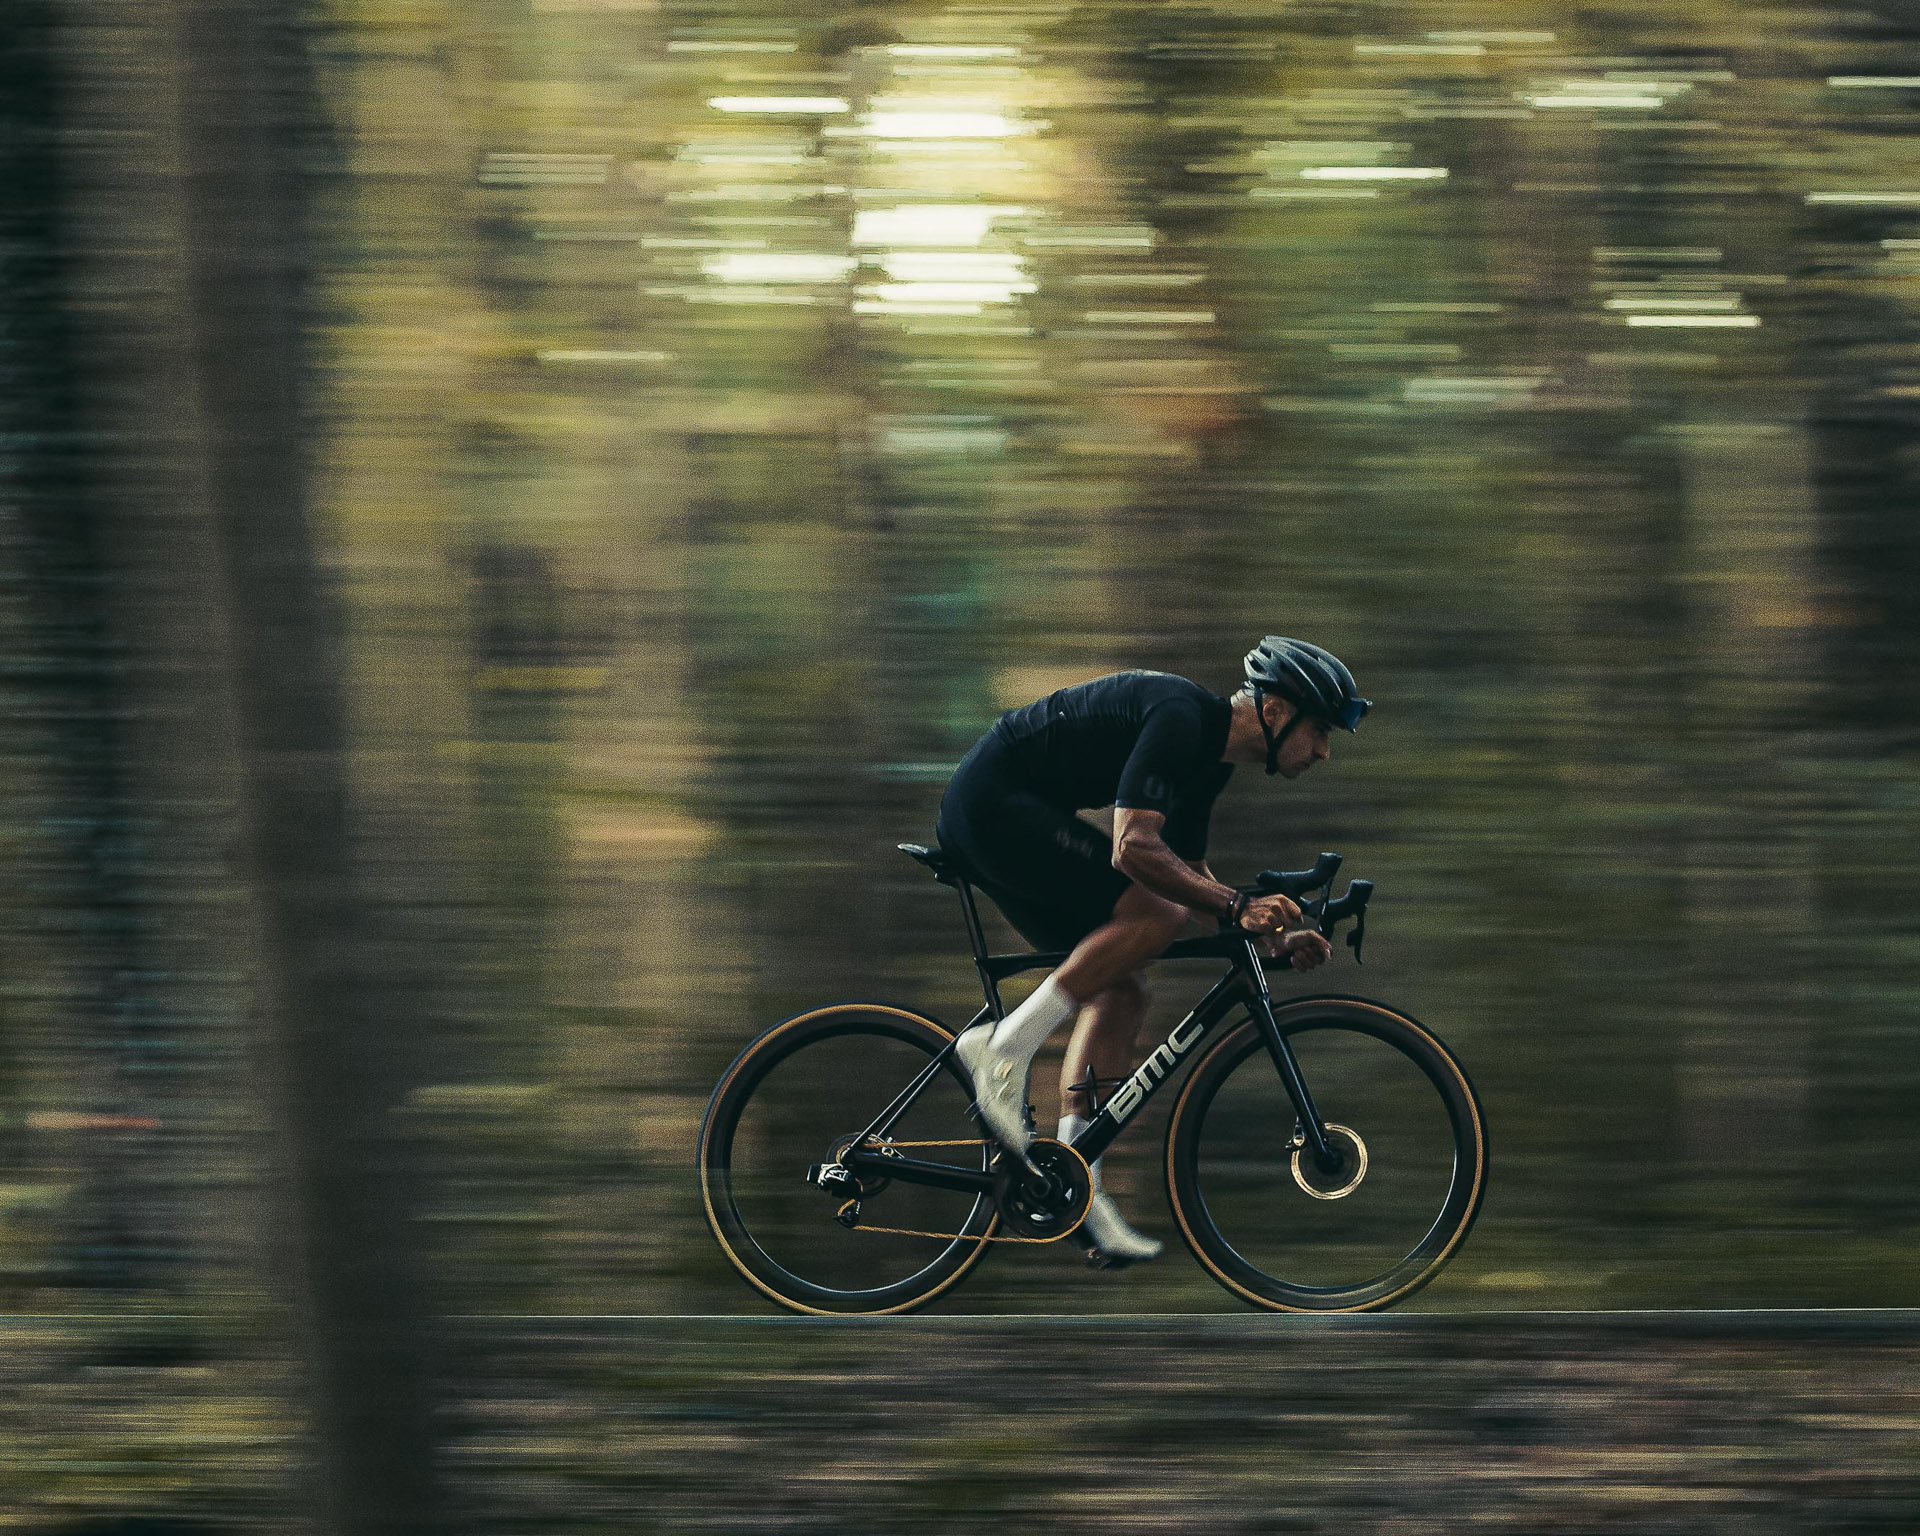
(1329, 913)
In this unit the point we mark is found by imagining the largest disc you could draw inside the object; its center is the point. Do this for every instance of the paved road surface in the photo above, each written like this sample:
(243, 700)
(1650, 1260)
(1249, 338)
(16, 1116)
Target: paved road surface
(1760, 1422)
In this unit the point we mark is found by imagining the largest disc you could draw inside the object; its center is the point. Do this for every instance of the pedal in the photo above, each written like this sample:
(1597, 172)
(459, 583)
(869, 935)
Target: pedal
(834, 1178)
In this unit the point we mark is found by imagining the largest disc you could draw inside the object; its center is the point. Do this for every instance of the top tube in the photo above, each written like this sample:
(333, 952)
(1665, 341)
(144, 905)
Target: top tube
(1218, 946)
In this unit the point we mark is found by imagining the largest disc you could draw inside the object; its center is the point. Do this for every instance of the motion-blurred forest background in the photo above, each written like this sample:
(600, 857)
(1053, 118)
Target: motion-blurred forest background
(512, 508)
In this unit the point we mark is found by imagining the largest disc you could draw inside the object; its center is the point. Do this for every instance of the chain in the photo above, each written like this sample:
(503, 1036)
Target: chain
(961, 1236)
(861, 1226)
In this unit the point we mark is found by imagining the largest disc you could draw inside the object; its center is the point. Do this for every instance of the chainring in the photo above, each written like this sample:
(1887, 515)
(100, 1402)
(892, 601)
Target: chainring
(1045, 1211)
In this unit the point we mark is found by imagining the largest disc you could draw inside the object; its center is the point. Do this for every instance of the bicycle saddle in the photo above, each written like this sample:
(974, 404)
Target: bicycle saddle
(936, 859)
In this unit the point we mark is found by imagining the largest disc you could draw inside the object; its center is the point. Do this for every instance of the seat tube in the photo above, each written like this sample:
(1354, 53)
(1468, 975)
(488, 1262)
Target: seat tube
(1284, 1061)
(976, 936)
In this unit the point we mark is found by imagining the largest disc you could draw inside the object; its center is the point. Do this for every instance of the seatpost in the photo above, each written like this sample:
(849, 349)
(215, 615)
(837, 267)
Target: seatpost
(977, 937)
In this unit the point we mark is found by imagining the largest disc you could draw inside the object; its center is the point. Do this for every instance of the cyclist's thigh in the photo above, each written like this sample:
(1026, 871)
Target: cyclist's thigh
(1050, 872)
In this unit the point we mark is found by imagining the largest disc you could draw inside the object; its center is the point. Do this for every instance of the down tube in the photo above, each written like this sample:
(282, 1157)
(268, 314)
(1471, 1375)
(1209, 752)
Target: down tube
(1157, 1068)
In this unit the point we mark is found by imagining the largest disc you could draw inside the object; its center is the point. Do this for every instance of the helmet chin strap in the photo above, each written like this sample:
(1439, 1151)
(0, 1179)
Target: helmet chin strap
(1274, 741)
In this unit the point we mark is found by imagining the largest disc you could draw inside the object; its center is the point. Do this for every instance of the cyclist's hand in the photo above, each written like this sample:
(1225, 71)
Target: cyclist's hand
(1308, 947)
(1269, 914)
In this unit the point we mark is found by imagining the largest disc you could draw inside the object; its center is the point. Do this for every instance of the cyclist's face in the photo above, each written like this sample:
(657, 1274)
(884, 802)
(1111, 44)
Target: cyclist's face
(1306, 744)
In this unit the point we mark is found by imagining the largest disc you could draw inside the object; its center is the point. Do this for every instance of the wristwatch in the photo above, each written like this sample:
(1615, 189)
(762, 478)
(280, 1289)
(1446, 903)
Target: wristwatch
(1231, 917)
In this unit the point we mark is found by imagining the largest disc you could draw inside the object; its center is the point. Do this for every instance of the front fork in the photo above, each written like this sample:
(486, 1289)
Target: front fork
(1312, 1130)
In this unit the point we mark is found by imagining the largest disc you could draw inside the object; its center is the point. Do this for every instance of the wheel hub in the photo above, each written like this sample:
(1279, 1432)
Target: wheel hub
(1344, 1179)
(836, 1178)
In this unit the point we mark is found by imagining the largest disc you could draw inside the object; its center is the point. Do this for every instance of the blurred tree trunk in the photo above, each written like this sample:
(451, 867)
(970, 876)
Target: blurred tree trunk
(249, 131)
(190, 130)
(80, 957)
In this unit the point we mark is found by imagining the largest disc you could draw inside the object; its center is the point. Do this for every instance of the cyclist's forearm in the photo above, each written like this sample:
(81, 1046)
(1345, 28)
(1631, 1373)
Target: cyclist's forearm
(1147, 860)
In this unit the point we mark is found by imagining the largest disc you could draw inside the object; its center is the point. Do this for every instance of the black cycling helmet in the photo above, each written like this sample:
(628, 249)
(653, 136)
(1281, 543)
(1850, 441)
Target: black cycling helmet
(1315, 681)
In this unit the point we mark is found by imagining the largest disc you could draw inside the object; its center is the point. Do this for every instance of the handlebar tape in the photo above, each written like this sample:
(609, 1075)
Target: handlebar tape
(1296, 883)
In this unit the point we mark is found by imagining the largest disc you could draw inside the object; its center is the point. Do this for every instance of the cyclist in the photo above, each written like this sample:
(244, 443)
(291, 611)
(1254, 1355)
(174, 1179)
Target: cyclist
(1159, 749)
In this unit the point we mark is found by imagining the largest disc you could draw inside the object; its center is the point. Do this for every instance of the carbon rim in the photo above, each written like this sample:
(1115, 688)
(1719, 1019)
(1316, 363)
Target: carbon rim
(741, 1228)
(1273, 1267)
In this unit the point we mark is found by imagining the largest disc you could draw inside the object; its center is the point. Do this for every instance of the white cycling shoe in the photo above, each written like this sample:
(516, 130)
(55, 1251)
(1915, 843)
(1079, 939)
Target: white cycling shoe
(1110, 1242)
(999, 1087)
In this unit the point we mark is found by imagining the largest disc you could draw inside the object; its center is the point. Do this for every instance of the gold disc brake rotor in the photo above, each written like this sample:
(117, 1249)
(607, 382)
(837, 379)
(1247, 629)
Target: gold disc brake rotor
(1354, 1171)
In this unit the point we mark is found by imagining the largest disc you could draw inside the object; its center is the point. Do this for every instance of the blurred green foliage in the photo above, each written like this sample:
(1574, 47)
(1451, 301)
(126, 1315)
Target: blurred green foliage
(701, 479)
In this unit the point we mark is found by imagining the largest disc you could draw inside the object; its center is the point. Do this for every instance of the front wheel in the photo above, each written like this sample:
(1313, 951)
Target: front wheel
(1281, 1232)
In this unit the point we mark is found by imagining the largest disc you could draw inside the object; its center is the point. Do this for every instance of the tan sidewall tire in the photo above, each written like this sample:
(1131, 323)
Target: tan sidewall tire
(721, 1115)
(1470, 1143)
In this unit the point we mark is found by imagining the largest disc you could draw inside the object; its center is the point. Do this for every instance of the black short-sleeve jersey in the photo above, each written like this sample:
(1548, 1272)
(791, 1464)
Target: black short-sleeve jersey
(1142, 740)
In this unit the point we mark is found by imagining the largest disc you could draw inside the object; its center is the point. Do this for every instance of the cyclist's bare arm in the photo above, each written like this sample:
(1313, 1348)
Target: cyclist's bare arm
(1143, 857)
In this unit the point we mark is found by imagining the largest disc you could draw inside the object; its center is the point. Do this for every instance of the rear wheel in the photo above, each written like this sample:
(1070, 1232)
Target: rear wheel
(1281, 1232)
(796, 1098)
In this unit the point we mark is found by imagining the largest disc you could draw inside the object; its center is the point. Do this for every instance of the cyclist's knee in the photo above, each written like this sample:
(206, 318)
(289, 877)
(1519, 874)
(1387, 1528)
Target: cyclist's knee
(1151, 911)
(1165, 921)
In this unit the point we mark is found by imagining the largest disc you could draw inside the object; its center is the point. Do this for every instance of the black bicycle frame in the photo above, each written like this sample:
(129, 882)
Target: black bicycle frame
(1245, 984)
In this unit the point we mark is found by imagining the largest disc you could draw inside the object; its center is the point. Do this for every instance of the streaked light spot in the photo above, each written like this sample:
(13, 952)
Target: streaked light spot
(1136, 279)
(1702, 322)
(1373, 173)
(724, 47)
(1690, 303)
(1888, 199)
(599, 355)
(1462, 50)
(934, 438)
(1585, 101)
(949, 293)
(953, 51)
(1305, 194)
(776, 106)
(1149, 317)
(1874, 82)
(1499, 389)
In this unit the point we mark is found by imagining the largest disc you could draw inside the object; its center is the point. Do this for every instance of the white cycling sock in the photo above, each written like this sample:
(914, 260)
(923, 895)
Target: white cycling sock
(1070, 1127)
(1021, 1033)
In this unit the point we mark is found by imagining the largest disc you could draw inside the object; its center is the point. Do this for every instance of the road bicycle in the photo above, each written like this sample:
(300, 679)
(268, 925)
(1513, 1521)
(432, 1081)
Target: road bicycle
(1323, 1154)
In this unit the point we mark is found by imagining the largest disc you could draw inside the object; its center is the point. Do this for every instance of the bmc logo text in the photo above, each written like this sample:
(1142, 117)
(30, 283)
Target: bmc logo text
(1133, 1092)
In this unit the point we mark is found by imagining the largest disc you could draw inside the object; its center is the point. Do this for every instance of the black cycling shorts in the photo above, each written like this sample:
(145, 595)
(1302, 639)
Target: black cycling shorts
(1050, 872)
